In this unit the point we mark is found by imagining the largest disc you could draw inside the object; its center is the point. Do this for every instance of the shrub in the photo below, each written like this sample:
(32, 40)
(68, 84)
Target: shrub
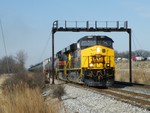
(21, 79)
(21, 93)
(58, 91)
(38, 79)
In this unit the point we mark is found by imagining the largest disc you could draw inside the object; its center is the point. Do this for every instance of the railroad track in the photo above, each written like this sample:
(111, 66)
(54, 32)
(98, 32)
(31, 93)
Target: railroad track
(144, 86)
(137, 99)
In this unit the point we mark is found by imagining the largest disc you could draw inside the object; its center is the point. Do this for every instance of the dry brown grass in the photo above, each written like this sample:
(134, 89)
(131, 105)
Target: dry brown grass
(26, 101)
(140, 72)
(21, 97)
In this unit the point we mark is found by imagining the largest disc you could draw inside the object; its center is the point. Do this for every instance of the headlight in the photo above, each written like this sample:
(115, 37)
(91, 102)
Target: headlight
(98, 50)
(91, 65)
(107, 65)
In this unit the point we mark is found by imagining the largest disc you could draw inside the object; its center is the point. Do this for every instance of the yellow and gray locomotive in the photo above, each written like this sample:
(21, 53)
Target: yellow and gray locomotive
(89, 61)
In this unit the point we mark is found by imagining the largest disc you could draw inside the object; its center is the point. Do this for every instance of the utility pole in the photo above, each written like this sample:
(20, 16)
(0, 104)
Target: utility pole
(4, 46)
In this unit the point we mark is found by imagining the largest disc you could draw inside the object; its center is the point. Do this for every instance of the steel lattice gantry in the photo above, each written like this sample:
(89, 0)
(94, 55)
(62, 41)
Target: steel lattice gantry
(96, 26)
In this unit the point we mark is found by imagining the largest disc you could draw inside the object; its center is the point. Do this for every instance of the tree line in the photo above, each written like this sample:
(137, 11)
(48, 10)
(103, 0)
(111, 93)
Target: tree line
(13, 64)
(125, 54)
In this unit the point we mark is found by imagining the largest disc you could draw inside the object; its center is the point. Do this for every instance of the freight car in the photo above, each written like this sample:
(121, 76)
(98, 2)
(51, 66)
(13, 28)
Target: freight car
(42, 67)
(36, 68)
(90, 61)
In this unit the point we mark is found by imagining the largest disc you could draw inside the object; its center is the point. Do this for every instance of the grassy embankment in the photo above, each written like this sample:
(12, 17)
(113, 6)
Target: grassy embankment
(140, 71)
(22, 94)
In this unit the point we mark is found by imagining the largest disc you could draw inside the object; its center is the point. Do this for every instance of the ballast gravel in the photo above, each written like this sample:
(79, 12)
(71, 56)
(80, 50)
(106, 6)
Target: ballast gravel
(79, 100)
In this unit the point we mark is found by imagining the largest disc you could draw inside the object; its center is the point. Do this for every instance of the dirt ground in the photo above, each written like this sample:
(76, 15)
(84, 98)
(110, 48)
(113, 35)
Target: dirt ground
(140, 71)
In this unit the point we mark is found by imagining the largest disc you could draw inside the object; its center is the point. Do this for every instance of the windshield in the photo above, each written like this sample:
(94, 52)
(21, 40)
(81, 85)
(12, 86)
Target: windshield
(88, 42)
(107, 43)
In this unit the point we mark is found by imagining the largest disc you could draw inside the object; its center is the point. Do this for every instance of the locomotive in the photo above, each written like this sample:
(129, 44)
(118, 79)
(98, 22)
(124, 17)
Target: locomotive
(89, 61)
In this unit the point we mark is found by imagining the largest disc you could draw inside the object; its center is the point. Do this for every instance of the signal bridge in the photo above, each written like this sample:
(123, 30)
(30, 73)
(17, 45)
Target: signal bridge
(91, 26)
(88, 26)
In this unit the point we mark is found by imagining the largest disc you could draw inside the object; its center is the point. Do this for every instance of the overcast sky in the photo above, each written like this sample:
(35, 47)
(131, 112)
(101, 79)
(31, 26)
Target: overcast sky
(27, 24)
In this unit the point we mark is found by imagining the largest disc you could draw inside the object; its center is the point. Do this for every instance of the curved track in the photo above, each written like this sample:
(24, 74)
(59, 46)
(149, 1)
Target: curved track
(137, 99)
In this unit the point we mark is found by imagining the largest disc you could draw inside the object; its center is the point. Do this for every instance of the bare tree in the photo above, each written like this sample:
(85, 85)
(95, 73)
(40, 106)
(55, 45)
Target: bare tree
(4, 66)
(21, 57)
(16, 64)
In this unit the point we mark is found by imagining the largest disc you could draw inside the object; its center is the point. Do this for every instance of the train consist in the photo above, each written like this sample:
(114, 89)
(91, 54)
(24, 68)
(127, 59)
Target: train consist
(89, 61)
